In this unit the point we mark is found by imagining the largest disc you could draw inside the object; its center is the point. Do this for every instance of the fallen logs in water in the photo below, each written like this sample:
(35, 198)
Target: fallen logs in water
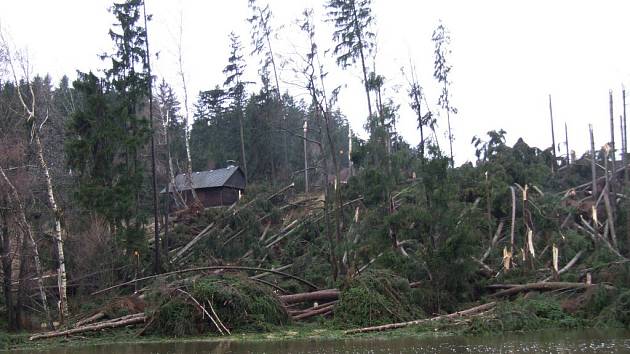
(545, 286)
(468, 312)
(114, 323)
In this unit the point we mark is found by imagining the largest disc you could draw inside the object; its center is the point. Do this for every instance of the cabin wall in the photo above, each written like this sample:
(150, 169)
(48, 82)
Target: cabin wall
(212, 197)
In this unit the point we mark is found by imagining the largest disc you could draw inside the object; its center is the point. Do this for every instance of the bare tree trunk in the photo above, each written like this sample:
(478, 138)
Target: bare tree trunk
(566, 141)
(26, 228)
(305, 158)
(553, 137)
(593, 163)
(156, 222)
(612, 150)
(186, 118)
(61, 270)
(626, 176)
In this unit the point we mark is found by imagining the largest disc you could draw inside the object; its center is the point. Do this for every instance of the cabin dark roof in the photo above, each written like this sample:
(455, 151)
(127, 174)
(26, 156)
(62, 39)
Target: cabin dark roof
(208, 179)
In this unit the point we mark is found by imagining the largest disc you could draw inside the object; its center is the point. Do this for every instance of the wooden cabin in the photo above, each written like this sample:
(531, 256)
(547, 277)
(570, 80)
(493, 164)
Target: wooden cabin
(220, 187)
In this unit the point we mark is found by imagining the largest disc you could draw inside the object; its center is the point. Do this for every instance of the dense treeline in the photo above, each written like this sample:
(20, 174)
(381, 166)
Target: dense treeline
(76, 191)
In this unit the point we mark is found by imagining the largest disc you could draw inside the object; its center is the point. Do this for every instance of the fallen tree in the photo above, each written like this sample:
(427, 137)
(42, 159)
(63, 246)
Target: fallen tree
(114, 323)
(321, 295)
(468, 312)
(546, 286)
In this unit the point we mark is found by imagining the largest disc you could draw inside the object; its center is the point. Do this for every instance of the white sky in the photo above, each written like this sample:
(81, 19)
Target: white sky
(507, 56)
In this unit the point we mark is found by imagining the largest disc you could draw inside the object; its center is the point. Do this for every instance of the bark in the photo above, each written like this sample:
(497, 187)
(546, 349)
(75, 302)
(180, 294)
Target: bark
(464, 313)
(61, 269)
(319, 310)
(321, 295)
(115, 323)
(513, 224)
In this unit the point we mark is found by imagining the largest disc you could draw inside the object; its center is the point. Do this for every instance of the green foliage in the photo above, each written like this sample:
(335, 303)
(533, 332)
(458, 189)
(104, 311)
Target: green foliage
(240, 302)
(617, 314)
(174, 318)
(374, 298)
(525, 314)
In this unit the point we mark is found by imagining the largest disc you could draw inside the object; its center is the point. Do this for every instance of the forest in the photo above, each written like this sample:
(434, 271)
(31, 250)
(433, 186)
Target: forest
(331, 231)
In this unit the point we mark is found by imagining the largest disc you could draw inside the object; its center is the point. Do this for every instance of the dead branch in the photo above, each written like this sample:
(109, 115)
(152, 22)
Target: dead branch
(217, 318)
(203, 309)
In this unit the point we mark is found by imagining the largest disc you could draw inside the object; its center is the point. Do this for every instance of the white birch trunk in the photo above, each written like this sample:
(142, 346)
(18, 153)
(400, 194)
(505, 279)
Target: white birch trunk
(186, 130)
(61, 271)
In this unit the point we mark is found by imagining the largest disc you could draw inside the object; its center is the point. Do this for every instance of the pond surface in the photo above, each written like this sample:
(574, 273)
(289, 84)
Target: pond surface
(582, 341)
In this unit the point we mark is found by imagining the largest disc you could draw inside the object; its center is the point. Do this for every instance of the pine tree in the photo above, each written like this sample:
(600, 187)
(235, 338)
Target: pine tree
(353, 19)
(234, 71)
(107, 135)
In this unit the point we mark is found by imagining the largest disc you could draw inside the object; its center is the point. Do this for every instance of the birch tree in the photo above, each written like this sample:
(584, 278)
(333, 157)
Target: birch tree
(182, 76)
(35, 120)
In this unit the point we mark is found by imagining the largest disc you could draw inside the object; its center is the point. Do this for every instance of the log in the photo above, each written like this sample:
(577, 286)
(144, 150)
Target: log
(321, 295)
(117, 322)
(192, 242)
(468, 312)
(316, 311)
(545, 286)
(95, 317)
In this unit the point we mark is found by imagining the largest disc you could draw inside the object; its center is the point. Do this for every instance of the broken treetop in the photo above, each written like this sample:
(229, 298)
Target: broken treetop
(222, 177)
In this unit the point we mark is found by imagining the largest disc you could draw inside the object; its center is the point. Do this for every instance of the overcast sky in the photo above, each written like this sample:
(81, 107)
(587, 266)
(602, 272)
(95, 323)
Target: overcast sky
(507, 56)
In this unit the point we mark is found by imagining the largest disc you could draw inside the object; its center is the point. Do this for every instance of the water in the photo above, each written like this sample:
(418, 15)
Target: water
(582, 341)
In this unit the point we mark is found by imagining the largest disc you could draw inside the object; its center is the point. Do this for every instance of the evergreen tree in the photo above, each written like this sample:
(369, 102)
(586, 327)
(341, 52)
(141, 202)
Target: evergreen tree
(262, 32)
(442, 39)
(107, 135)
(234, 71)
(353, 19)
